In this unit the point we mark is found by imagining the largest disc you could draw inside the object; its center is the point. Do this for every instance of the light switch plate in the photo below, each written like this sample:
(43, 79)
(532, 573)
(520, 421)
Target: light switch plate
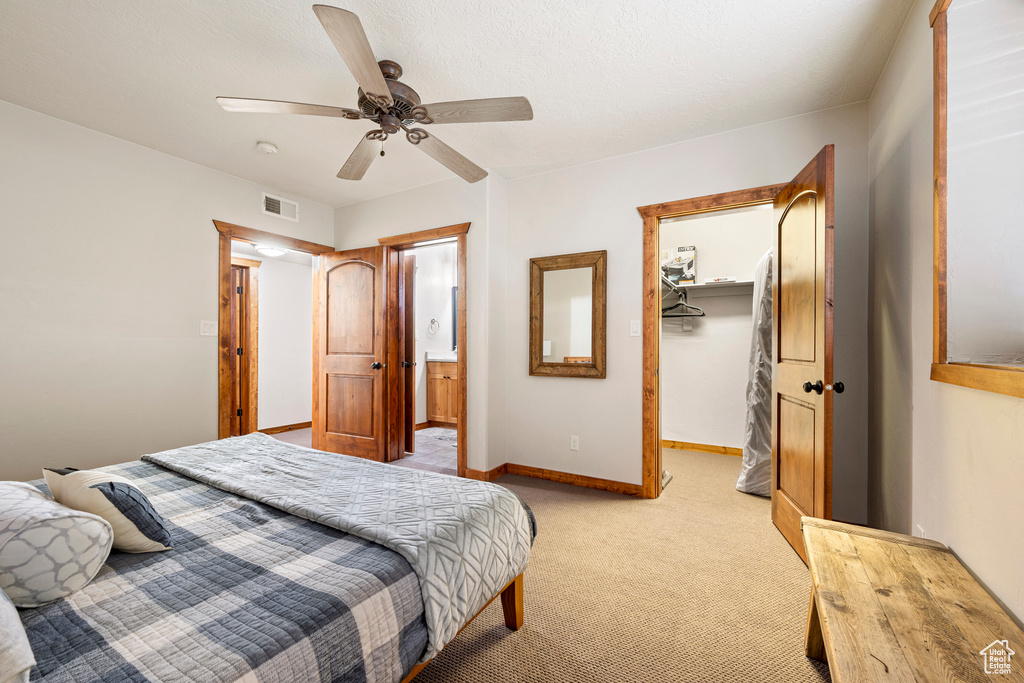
(207, 328)
(634, 328)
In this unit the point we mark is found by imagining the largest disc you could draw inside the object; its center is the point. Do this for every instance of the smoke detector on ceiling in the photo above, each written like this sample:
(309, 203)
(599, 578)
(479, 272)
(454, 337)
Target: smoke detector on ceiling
(266, 147)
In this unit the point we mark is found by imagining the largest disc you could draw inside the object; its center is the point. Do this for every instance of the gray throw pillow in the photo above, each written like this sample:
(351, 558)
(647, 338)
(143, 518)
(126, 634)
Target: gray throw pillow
(47, 551)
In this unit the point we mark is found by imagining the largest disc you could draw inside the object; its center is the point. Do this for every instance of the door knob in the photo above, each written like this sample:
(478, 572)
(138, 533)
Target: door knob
(376, 366)
(816, 387)
(406, 364)
(839, 388)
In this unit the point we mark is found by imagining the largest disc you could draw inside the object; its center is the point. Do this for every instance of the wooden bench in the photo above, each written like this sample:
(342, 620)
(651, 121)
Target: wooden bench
(889, 607)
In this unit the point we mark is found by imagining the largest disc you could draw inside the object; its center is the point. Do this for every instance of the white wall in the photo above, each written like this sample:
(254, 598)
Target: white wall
(435, 276)
(109, 263)
(593, 206)
(704, 362)
(285, 344)
(962, 466)
(433, 206)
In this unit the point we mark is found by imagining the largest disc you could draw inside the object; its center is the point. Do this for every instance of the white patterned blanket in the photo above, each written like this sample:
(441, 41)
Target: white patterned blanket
(466, 540)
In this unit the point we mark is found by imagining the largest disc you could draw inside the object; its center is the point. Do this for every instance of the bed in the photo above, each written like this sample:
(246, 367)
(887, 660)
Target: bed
(289, 564)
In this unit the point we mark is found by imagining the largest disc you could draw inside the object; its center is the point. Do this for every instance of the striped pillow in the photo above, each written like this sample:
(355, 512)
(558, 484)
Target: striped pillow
(138, 527)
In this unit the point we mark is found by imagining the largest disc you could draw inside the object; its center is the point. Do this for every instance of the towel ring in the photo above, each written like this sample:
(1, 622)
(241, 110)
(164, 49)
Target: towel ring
(433, 327)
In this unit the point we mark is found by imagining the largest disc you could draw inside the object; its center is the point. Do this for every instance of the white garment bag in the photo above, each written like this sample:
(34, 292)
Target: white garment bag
(756, 475)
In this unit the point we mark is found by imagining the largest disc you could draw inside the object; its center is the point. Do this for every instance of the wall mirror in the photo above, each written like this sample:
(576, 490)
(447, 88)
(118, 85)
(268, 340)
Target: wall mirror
(568, 303)
(979, 147)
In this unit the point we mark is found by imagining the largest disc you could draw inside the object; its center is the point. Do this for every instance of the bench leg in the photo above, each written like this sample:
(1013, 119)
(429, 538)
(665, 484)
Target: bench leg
(512, 603)
(814, 644)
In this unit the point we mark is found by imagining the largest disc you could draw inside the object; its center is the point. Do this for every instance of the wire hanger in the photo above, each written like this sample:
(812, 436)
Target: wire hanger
(688, 311)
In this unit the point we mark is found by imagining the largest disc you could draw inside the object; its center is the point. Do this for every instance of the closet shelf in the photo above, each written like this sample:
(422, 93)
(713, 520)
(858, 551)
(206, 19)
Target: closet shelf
(718, 288)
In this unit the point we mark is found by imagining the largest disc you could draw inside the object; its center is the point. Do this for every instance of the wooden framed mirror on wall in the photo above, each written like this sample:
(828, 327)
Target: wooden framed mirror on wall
(978, 283)
(568, 309)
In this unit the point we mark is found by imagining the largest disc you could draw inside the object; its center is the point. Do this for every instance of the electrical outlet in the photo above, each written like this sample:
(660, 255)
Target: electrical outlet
(208, 328)
(634, 328)
(574, 443)
(920, 532)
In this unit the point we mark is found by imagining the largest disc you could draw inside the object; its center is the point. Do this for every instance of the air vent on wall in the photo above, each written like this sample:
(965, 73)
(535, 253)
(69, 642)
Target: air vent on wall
(275, 206)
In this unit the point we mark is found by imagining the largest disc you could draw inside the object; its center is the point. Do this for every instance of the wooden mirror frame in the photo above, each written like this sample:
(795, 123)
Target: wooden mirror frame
(1000, 379)
(598, 260)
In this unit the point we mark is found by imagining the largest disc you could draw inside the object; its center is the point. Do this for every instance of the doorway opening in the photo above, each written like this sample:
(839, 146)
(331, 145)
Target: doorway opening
(239, 318)
(429, 286)
(801, 378)
(428, 335)
(713, 283)
(657, 296)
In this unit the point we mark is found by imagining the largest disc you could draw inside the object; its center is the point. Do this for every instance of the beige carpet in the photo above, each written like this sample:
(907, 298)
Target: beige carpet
(695, 586)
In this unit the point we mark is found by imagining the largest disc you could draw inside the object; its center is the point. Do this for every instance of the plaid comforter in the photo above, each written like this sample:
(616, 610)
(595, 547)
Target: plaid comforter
(466, 540)
(248, 592)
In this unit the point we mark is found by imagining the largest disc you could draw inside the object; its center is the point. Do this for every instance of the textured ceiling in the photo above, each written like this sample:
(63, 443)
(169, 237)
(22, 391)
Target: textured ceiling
(605, 78)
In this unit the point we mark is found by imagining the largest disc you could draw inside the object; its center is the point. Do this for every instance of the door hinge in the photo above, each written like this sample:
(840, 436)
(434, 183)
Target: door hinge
(239, 351)
(239, 290)
(239, 413)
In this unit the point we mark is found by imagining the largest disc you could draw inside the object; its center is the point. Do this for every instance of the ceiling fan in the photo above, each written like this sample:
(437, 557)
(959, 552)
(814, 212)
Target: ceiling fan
(389, 103)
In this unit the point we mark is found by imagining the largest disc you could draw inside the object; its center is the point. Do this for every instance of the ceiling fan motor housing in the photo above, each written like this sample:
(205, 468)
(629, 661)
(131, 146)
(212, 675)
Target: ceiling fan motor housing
(405, 98)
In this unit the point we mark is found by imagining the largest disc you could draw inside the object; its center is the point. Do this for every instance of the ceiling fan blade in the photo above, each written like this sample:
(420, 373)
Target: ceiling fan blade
(360, 159)
(244, 104)
(481, 111)
(346, 32)
(441, 152)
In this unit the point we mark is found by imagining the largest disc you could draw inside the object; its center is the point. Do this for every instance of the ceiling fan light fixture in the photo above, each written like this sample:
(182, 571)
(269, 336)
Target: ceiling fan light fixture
(270, 251)
(387, 102)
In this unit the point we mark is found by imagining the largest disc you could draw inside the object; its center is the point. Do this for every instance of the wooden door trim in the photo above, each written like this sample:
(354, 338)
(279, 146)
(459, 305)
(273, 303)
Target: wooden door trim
(652, 215)
(459, 231)
(253, 236)
(1007, 380)
(226, 233)
(411, 238)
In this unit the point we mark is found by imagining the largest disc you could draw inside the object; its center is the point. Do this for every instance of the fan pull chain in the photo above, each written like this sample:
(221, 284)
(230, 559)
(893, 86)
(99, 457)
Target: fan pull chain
(382, 148)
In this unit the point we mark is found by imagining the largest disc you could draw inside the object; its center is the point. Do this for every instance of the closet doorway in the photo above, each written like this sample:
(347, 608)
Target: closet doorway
(708, 263)
(802, 381)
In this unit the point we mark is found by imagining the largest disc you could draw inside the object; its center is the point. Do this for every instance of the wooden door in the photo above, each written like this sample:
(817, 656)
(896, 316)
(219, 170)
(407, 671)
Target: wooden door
(239, 383)
(348, 353)
(408, 343)
(802, 340)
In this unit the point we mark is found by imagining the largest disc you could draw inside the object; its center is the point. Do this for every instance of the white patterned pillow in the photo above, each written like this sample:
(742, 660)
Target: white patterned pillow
(47, 551)
(138, 527)
(16, 658)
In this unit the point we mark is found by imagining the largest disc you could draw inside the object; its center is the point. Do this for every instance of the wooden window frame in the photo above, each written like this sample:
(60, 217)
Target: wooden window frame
(226, 233)
(598, 260)
(653, 215)
(1000, 379)
(392, 246)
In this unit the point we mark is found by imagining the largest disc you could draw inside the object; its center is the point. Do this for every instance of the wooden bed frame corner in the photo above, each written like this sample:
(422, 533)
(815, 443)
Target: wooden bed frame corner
(511, 605)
